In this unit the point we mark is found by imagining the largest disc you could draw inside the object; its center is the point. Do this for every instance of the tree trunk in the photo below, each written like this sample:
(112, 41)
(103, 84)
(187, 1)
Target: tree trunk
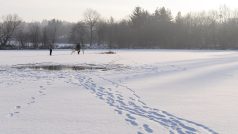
(91, 35)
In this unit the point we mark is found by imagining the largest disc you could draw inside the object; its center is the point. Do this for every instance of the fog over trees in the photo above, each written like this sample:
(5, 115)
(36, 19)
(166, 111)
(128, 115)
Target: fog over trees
(216, 29)
(7, 28)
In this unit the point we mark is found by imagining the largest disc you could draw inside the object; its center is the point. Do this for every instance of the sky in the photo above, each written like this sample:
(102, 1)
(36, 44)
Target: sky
(73, 10)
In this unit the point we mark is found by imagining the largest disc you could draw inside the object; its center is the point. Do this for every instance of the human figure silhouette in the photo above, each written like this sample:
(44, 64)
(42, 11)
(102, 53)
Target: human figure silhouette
(78, 47)
(51, 49)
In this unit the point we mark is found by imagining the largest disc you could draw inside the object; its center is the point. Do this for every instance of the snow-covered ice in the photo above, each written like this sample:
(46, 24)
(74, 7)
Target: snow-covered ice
(130, 92)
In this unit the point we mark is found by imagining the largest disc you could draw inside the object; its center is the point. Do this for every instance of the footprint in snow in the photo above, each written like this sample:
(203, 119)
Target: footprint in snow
(147, 128)
(11, 114)
(18, 107)
(118, 111)
(130, 117)
(32, 100)
(132, 122)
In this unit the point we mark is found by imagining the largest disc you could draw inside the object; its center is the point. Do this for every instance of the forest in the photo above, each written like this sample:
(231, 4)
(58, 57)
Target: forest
(214, 29)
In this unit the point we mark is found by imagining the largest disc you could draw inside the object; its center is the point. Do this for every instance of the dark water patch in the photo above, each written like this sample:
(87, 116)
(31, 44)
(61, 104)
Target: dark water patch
(59, 67)
(78, 67)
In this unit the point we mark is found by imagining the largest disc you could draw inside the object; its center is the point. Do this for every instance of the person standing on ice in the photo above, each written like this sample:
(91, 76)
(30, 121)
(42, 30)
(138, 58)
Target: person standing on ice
(51, 49)
(78, 47)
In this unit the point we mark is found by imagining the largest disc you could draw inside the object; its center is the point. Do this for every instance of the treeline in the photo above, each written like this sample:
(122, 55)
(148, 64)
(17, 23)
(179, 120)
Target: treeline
(16, 34)
(217, 29)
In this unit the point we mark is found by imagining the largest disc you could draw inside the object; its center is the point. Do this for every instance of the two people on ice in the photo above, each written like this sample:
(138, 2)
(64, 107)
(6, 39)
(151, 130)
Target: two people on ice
(77, 48)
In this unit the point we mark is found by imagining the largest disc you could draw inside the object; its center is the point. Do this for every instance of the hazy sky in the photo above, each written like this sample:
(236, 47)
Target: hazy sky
(72, 10)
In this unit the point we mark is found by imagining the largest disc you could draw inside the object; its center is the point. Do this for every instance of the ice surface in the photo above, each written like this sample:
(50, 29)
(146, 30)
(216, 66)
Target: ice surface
(132, 91)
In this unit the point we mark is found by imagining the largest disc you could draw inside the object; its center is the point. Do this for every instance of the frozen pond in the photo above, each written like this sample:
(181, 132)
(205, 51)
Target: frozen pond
(130, 92)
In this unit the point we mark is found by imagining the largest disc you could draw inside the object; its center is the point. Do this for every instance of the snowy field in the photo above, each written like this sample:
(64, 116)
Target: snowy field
(130, 92)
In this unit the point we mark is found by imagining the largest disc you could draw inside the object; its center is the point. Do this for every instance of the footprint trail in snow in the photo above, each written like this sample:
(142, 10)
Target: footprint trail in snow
(128, 104)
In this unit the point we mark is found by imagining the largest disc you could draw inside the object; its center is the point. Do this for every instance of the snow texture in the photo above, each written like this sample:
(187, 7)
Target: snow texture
(132, 91)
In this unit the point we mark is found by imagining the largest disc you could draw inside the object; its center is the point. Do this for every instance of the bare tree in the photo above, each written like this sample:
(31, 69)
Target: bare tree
(35, 34)
(53, 28)
(91, 18)
(78, 34)
(45, 38)
(7, 28)
(22, 35)
(224, 13)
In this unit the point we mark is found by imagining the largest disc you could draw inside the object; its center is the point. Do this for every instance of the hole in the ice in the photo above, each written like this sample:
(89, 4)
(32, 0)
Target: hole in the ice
(68, 67)
(61, 67)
